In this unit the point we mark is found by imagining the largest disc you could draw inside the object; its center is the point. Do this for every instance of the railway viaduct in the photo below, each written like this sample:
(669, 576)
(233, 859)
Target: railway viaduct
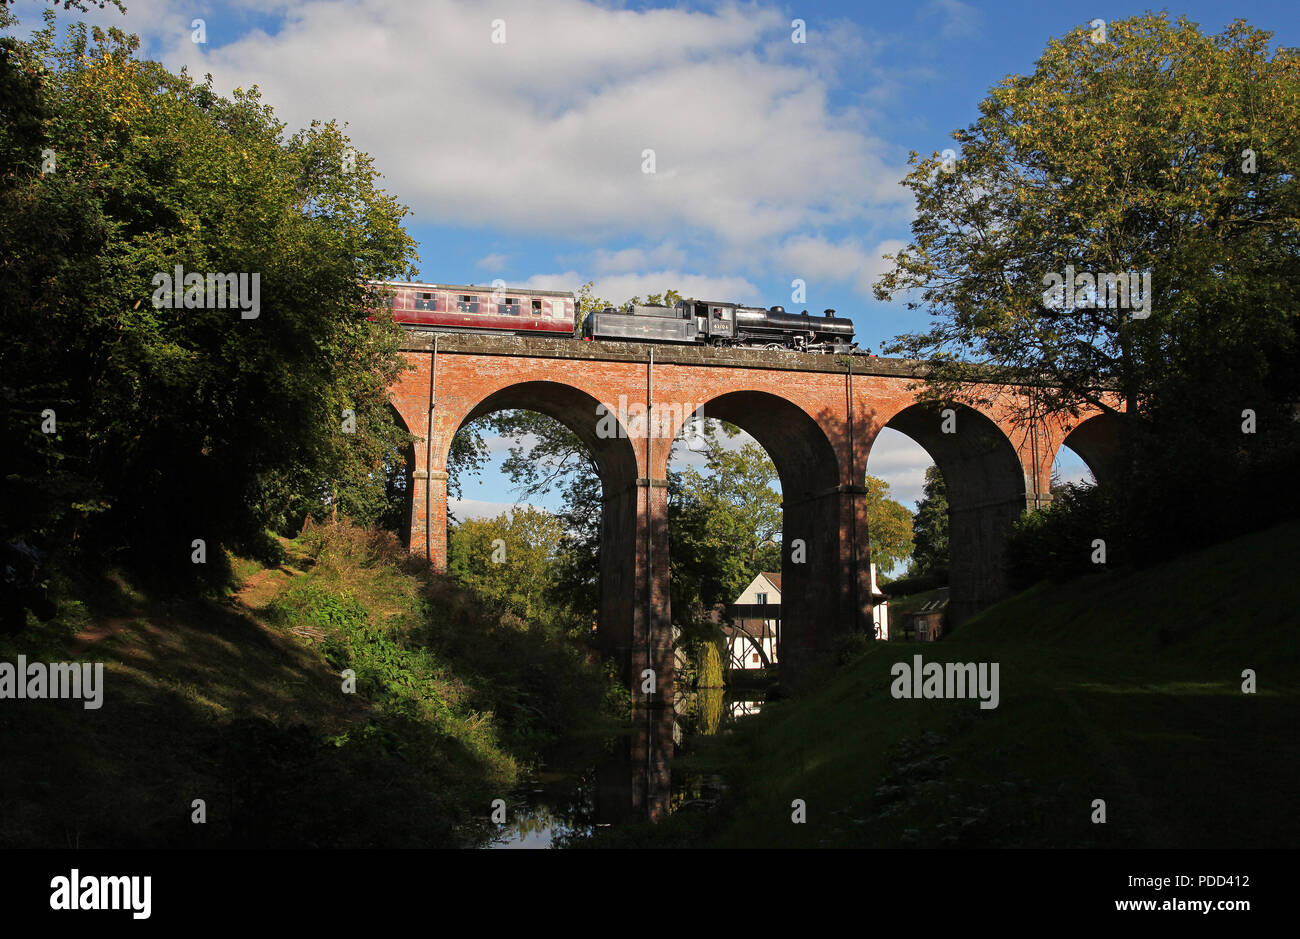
(816, 415)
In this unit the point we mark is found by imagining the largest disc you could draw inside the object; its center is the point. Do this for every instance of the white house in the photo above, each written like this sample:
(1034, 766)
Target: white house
(753, 631)
(879, 608)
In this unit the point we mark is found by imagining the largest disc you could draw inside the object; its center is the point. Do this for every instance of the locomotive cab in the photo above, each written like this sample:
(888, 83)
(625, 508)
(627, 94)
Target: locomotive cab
(716, 322)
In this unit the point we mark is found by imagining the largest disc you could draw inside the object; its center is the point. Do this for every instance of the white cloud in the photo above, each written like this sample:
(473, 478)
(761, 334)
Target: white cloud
(493, 262)
(546, 132)
(479, 508)
(631, 259)
(620, 287)
(900, 461)
(814, 258)
(957, 20)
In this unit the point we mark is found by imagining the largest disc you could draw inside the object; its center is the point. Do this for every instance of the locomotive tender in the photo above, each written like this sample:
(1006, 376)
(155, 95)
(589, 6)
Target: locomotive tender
(524, 311)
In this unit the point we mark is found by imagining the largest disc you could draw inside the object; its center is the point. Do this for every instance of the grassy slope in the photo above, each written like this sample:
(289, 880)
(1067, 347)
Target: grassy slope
(239, 703)
(1122, 687)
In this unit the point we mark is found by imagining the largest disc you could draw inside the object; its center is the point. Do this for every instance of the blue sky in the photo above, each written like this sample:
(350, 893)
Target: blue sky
(523, 160)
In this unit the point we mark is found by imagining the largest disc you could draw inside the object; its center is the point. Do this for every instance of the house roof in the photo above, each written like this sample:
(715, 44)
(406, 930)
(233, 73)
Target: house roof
(775, 579)
(759, 629)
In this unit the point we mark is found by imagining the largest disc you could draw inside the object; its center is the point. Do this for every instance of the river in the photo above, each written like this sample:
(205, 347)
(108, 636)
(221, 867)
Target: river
(626, 778)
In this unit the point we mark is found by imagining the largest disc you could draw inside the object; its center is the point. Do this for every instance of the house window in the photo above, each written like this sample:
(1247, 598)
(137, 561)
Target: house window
(762, 598)
(754, 658)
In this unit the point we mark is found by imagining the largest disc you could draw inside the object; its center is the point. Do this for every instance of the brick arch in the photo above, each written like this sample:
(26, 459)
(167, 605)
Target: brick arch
(987, 491)
(1096, 440)
(572, 407)
(808, 466)
(616, 463)
(408, 475)
(849, 400)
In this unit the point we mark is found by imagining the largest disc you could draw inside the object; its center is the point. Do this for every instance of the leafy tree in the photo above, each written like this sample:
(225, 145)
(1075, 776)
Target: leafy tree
(930, 525)
(508, 560)
(1166, 113)
(889, 525)
(183, 423)
(724, 526)
(1159, 150)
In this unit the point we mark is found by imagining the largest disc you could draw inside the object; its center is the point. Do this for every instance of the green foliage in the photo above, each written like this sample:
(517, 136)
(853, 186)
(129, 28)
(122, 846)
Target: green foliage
(723, 526)
(916, 583)
(1164, 185)
(1056, 542)
(710, 667)
(889, 525)
(930, 525)
(175, 424)
(508, 560)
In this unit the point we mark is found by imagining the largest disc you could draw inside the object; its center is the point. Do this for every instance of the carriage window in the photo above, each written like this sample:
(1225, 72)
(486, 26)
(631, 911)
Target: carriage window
(559, 307)
(467, 304)
(537, 308)
(425, 301)
(511, 306)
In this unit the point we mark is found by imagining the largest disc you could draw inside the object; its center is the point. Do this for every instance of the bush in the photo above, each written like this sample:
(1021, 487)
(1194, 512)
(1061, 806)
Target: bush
(1057, 542)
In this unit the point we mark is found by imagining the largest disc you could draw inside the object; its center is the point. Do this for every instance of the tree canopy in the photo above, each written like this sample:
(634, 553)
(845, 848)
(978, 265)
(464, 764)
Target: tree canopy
(889, 526)
(146, 417)
(1158, 150)
(930, 525)
(1120, 233)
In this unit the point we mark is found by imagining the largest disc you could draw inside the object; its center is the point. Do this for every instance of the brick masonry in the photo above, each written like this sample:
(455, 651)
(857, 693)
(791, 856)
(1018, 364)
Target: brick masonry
(798, 407)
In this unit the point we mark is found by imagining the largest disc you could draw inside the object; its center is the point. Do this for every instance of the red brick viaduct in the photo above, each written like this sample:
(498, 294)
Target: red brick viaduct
(816, 415)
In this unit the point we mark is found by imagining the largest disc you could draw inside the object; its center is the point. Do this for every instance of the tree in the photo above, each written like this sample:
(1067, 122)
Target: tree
(508, 560)
(723, 526)
(1157, 158)
(930, 525)
(178, 416)
(889, 526)
(1026, 198)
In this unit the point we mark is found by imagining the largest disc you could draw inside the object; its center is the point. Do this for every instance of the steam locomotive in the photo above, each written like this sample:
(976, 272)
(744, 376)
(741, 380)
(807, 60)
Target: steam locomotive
(528, 312)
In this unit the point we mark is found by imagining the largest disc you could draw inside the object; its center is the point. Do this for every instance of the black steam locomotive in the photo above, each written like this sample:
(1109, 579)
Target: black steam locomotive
(704, 322)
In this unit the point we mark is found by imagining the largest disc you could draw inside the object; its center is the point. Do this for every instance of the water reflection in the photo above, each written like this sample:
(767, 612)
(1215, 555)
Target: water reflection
(634, 779)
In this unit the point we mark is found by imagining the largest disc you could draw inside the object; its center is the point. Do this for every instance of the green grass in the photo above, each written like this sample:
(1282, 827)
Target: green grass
(237, 700)
(1121, 687)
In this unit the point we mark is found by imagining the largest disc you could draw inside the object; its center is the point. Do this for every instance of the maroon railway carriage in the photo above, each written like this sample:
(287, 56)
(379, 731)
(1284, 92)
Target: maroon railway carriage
(454, 308)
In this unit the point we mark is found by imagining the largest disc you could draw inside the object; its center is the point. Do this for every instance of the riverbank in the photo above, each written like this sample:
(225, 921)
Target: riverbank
(236, 710)
(1124, 688)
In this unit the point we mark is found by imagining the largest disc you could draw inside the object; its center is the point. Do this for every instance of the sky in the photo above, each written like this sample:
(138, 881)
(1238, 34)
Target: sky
(524, 159)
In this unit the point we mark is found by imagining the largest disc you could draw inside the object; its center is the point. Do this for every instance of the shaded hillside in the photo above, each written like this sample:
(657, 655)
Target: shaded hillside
(1125, 688)
(239, 702)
